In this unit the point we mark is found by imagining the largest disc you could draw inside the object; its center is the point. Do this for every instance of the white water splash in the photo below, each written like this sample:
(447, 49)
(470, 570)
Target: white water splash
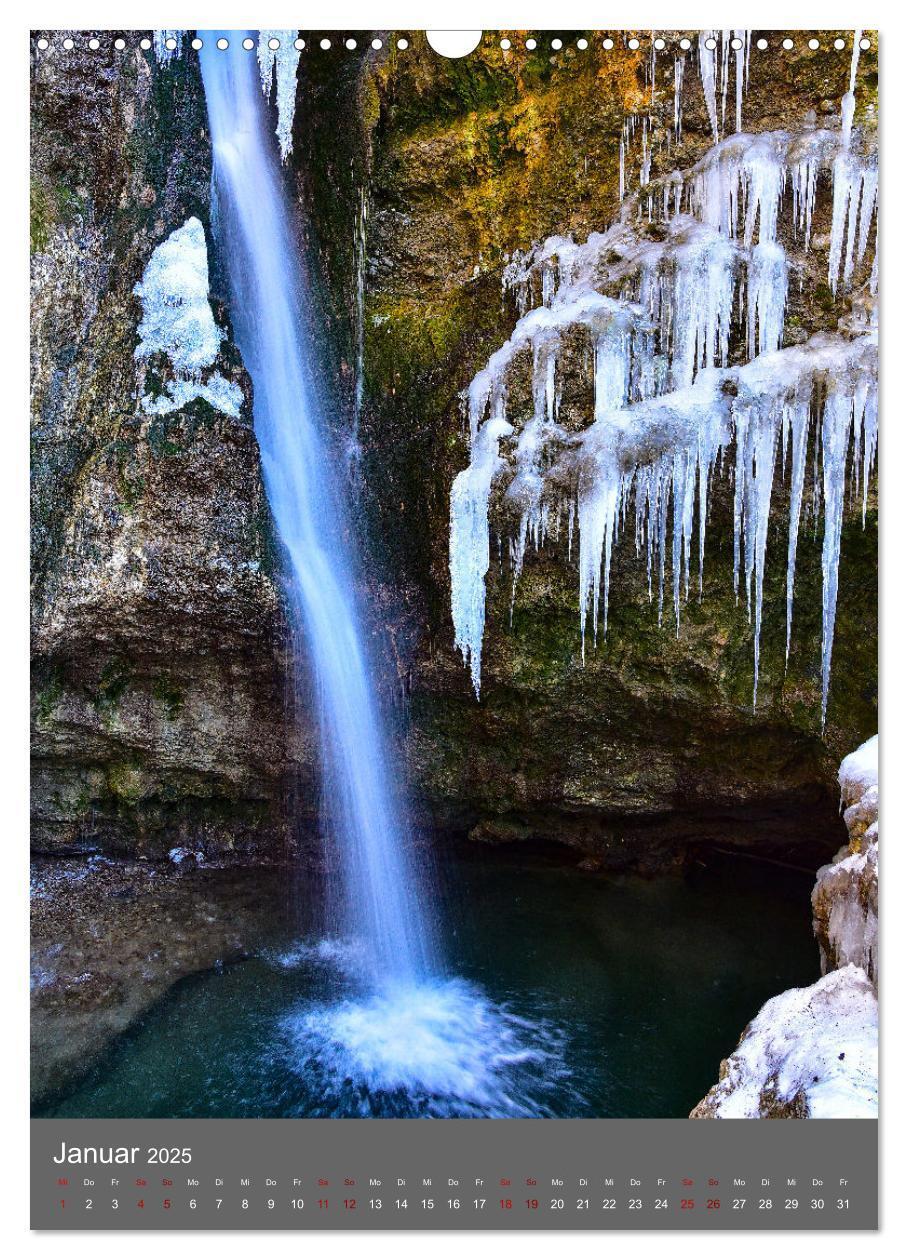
(439, 1049)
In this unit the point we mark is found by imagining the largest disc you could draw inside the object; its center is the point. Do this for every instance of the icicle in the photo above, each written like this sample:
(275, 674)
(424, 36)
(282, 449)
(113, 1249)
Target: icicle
(848, 100)
(869, 192)
(848, 105)
(280, 64)
(162, 53)
(661, 507)
(684, 477)
(767, 287)
(855, 58)
(708, 80)
(804, 191)
(705, 458)
(798, 418)
(178, 326)
(726, 43)
(597, 497)
(836, 423)
(679, 89)
(597, 500)
(759, 438)
(765, 178)
(469, 544)
(740, 54)
(851, 186)
(525, 491)
(670, 330)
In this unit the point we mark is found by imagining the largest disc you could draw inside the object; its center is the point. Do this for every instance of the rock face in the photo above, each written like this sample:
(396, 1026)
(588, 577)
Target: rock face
(812, 1053)
(845, 898)
(157, 624)
(159, 644)
(809, 1054)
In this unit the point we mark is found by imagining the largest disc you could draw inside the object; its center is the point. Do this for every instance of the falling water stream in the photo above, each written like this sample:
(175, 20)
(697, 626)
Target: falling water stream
(395, 1023)
(381, 901)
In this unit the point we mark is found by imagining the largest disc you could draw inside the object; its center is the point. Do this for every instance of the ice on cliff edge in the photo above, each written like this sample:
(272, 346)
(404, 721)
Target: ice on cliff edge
(178, 323)
(812, 1052)
(846, 895)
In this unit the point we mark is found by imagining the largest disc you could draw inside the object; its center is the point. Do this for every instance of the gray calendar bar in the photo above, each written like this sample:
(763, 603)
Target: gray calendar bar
(454, 1174)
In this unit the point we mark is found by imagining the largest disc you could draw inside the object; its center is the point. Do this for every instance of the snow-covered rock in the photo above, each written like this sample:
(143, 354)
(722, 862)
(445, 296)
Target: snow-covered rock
(813, 1052)
(845, 896)
(859, 774)
(809, 1054)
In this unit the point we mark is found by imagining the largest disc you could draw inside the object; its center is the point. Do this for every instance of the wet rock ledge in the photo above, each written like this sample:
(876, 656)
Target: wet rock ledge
(110, 938)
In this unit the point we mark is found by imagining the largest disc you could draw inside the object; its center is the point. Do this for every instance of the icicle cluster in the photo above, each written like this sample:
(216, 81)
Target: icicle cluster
(162, 53)
(279, 65)
(659, 315)
(714, 50)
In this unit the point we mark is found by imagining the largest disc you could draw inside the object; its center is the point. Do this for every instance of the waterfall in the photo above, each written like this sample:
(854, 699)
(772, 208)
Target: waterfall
(396, 1036)
(378, 901)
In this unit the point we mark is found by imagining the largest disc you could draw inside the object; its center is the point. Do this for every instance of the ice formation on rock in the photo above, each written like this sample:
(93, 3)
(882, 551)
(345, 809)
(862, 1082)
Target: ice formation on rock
(809, 1054)
(713, 52)
(177, 322)
(845, 896)
(278, 66)
(159, 43)
(659, 295)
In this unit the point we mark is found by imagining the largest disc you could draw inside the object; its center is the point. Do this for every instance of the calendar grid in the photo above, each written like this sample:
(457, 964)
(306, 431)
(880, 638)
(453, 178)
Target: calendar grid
(464, 1174)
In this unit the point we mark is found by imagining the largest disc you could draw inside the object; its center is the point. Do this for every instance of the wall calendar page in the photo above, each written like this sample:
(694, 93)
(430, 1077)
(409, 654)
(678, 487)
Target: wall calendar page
(454, 630)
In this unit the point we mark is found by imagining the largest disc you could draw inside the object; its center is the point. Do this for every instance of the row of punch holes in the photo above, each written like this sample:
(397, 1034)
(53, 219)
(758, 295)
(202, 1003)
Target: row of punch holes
(402, 43)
